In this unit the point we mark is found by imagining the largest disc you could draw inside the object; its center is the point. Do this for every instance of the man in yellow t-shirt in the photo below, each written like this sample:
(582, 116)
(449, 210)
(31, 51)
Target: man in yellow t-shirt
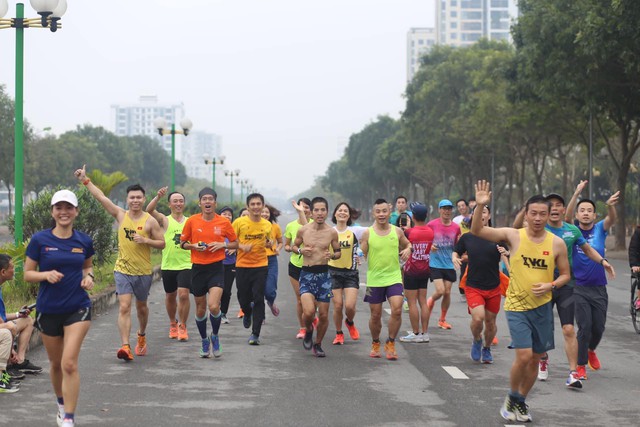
(138, 232)
(253, 234)
(535, 253)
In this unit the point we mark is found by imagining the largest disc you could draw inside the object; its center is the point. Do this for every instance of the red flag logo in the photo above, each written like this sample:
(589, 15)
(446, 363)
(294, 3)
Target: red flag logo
(545, 252)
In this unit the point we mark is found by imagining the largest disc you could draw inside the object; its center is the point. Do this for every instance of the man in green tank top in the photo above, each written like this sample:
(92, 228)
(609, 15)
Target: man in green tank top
(381, 244)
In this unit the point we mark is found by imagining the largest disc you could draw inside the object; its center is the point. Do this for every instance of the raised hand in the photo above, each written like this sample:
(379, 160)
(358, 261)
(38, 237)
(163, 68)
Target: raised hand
(162, 192)
(615, 197)
(581, 185)
(81, 174)
(483, 193)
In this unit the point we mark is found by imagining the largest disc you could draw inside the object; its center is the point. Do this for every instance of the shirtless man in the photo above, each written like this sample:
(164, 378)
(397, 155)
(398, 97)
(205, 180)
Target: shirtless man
(317, 239)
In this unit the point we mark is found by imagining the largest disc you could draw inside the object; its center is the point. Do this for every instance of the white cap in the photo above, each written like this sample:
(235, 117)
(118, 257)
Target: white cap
(64, 196)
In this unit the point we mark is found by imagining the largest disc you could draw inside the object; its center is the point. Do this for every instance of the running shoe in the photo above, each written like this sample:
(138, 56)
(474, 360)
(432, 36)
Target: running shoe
(254, 340)
(274, 309)
(301, 333)
(390, 350)
(486, 355)
(430, 303)
(353, 331)
(594, 362)
(424, 337)
(240, 314)
(141, 346)
(412, 337)
(173, 330)
(315, 322)
(443, 324)
(307, 342)
(246, 321)
(60, 415)
(515, 411)
(495, 341)
(182, 332)
(581, 370)
(14, 373)
(339, 339)
(476, 350)
(205, 350)
(216, 349)
(27, 367)
(9, 379)
(543, 369)
(405, 305)
(68, 422)
(573, 381)
(224, 319)
(375, 350)
(318, 351)
(7, 387)
(125, 353)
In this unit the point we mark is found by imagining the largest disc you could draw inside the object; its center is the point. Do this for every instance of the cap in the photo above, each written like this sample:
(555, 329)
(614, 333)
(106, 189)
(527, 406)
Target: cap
(65, 196)
(207, 191)
(226, 208)
(555, 196)
(445, 203)
(420, 211)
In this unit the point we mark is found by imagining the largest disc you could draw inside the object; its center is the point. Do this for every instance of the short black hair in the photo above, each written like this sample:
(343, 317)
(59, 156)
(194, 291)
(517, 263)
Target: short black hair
(462, 200)
(319, 199)
(305, 200)
(381, 201)
(136, 187)
(208, 191)
(255, 196)
(587, 201)
(175, 192)
(538, 198)
(333, 217)
(398, 198)
(5, 260)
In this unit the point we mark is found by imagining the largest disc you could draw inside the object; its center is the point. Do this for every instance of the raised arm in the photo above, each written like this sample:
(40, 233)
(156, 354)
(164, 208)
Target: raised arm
(114, 211)
(483, 198)
(151, 208)
(612, 214)
(571, 207)
(518, 221)
(302, 218)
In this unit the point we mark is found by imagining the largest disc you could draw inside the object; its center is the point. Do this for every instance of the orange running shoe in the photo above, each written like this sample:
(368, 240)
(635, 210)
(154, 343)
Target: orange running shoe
(182, 332)
(141, 346)
(581, 371)
(375, 350)
(390, 350)
(594, 362)
(495, 341)
(353, 331)
(301, 333)
(173, 330)
(443, 324)
(339, 339)
(125, 353)
(240, 314)
(315, 322)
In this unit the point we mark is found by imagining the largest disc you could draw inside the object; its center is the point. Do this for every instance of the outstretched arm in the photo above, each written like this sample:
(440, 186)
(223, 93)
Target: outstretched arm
(518, 221)
(571, 207)
(151, 208)
(114, 211)
(596, 257)
(302, 218)
(612, 215)
(483, 198)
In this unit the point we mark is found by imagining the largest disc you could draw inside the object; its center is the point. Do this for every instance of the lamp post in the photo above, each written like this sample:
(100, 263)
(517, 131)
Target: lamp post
(213, 162)
(244, 183)
(50, 12)
(161, 124)
(231, 174)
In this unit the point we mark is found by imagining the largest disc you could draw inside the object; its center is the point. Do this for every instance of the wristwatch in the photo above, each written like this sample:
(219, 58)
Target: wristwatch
(603, 260)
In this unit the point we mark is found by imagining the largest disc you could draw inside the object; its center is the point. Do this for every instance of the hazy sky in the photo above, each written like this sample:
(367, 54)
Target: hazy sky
(283, 81)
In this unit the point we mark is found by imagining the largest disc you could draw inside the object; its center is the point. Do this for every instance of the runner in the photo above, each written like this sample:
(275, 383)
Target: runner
(416, 275)
(315, 242)
(446, 233)
(590, 292)
(176, 263)
(535, 253)
(401, 208)
(295, 260)
(381, 243)
(138, 232)
(463, 218)
(61, 260)
(252, 264)
(483, 287)
(204, 235)
(271, 214)
(229, 264)
(345, 279)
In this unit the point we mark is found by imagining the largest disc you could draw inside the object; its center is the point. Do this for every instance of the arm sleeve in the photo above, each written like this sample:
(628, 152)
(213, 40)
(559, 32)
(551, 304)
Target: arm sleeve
(580, 238)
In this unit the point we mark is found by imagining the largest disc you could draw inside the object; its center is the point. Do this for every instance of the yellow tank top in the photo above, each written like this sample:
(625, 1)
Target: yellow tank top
(531, 263)
(348, 244)
(134, 259)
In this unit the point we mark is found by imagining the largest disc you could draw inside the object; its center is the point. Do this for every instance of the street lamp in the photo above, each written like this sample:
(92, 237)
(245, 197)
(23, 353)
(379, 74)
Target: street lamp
(213, 162)
(161, 124)
(50, 12)
(244, 183)
(231, 174)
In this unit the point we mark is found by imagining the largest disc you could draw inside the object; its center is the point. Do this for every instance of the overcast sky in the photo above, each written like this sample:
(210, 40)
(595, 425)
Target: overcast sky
(283, 81)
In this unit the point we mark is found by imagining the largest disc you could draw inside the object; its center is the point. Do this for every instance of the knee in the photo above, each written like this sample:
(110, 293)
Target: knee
(396, 312)
(447, 292)
(69, 367)
(214, 307)
(568, 331)
(183, 297)
(338, 305)
(322, 316)
(376, 317)
(125, 308)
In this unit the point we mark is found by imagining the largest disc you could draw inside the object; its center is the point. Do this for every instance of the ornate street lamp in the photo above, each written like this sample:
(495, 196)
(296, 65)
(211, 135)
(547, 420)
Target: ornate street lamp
(161, 124)
(213, 162)
(231, 174)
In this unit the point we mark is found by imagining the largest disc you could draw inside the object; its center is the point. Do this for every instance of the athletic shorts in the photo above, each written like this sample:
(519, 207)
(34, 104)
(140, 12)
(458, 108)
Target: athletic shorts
(532, 329)
(413, 283)
(344, 279)
(315, 280)
(205, 277)
(174, 279)
(53, 324)
(378, 295)
(136, 285)
(294, 272)
(491, 299)
(565, 303)
(443, 273)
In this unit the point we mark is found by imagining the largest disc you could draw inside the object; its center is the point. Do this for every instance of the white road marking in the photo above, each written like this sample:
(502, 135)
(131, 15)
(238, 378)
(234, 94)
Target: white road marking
(388, 310)
(455, 373)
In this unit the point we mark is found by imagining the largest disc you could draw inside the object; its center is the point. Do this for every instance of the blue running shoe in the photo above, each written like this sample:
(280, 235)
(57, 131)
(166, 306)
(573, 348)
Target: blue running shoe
(215, 345)
(246, 321)
(307, 341)
(476, 350)
(254, 340)
(486, 355)
(206, 344)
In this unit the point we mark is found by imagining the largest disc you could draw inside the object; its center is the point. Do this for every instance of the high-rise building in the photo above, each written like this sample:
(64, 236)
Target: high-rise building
(464, 22)
(198, 146)
(419, 42)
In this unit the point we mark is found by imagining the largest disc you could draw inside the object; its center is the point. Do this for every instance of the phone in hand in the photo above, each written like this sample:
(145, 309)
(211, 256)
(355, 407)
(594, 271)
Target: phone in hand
(30, 307)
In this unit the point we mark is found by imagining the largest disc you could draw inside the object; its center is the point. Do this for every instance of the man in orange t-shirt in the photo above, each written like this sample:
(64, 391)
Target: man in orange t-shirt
(253, 233)
(203, 234)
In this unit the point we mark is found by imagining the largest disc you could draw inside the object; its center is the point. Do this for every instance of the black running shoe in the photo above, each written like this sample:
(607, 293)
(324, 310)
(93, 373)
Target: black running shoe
(14, 373)
(246, 321)
(318, 351)
(307, 342)
(27, 367)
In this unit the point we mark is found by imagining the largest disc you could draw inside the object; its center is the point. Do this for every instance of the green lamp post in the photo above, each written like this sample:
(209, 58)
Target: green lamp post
(161, 124)
(231, 174)
(213, 162)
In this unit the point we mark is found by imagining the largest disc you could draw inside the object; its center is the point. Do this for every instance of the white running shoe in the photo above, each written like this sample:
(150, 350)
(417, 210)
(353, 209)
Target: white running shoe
(543, 370)
(410, 338)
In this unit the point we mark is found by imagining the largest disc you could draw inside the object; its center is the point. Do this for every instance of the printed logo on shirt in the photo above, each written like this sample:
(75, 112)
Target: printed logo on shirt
(129, 233)
(77, 250)
(545, 252)
(176, 239)
(217, 231)
(49, 249)
(535, 263)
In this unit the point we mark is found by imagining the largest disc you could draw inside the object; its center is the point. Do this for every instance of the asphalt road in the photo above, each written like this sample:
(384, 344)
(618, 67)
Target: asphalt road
(279, 383)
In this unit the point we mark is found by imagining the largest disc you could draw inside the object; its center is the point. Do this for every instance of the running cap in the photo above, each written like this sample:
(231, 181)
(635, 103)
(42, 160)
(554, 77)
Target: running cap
(226, 208)
(445, 203)
(65, 196)
(555, 196)
(207, 191)
(420, 211)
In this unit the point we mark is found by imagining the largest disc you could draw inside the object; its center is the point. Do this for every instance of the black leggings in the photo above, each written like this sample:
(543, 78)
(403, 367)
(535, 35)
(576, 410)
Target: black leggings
(229, 277)
(591, 315)
(250, 286)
